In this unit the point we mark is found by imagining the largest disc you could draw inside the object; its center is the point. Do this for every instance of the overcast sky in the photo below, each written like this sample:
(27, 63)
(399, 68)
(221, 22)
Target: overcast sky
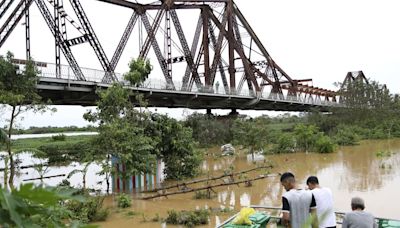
(317, 39)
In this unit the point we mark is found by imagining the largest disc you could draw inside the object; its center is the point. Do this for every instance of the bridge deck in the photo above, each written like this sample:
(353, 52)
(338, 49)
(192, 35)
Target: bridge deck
(71, 92)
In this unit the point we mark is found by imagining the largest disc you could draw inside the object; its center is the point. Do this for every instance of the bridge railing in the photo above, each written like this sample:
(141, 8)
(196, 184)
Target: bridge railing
(93, 75)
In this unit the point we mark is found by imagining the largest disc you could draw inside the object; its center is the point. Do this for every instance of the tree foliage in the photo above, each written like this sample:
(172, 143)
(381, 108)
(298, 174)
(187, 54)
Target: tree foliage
(175, 147)
(139, 71)
(18, 93)
(31, 206)
(252, 133)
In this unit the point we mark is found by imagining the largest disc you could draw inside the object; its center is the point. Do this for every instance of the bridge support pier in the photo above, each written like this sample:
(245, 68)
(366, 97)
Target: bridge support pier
(209, 113)
(234, 112)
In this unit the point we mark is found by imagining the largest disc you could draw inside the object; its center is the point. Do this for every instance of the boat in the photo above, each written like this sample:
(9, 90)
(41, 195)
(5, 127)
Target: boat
(382, 222)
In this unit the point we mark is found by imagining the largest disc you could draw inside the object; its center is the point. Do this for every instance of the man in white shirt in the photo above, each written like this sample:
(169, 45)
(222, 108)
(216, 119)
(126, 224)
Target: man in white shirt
(297, 204)
(324, 200)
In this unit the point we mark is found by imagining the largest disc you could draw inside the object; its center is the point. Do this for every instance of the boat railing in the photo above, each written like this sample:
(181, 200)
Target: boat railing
(338, 214)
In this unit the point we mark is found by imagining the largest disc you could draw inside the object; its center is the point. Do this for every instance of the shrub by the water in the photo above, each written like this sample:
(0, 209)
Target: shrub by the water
(346, 136)
(124, 201)
(59, 137)
(188, 218)
(90, 210)
(324, 144)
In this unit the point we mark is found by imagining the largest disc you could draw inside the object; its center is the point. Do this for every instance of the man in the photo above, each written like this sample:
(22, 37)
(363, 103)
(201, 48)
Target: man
(324, 200)
(297, 204)
(358, 218)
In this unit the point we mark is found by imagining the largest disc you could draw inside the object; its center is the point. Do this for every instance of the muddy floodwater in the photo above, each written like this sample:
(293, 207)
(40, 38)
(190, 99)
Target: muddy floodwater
(351, 171)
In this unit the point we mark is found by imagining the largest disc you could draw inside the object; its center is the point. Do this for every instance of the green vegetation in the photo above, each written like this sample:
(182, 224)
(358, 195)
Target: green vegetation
(49, 129)
(59, 137)
(30, 206)
(18, 95)
(139, 70)
(90, 210)
(123, 200)
(188, 218)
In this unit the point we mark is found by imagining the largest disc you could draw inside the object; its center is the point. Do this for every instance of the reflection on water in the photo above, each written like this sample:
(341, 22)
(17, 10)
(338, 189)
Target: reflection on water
(351, 171)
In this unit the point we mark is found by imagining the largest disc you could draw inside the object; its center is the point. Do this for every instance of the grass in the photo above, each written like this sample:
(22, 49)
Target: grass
(35, 143)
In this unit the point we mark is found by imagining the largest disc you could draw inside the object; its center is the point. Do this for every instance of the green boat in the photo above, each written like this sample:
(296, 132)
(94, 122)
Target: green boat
(261, 218)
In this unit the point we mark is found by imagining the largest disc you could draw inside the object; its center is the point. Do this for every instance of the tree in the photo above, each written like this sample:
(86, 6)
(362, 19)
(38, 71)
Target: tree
(252, 134)
(175, 147)
(18, 93)
(139, 71)
(122, 132)
(305, 136)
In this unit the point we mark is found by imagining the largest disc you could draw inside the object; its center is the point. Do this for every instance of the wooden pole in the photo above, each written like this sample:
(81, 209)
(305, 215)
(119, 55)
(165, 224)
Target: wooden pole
(207, 187)
(184, 184)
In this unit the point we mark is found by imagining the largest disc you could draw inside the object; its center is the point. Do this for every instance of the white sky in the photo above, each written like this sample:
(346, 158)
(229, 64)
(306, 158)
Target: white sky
(318, 39)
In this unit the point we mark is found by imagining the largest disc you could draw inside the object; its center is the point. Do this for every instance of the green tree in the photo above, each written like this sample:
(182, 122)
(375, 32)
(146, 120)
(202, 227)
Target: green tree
(305, 136)
(139, 71)
(175, 147)
(252, 134)
(122, 132)
(18, 93)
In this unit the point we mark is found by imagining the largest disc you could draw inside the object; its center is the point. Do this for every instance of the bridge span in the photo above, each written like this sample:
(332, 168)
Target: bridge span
(68, 91)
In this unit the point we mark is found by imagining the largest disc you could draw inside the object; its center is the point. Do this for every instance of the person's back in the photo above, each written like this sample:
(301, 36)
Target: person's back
(299, 201)
(324, 200)
(358, 219)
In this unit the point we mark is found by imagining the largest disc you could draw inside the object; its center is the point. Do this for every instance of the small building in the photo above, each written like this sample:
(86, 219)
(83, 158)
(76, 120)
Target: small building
(137, 183)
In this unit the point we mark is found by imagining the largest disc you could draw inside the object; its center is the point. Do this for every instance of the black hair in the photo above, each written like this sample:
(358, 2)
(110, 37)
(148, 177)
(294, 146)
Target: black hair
(312, 180)
(286, 176)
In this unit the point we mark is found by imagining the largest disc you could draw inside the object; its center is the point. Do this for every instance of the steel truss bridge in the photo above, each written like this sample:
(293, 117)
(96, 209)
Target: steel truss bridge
(223, 64)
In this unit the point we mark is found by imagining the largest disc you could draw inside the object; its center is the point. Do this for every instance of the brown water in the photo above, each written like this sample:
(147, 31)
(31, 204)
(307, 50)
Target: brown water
(351, 171)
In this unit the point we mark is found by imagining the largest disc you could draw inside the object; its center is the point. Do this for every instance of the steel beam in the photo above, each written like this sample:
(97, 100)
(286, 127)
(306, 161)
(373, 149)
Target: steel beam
(157, 50)
(13, 20)
(94, 41)
(124, 40)
(64, 47)
(186, 78)
(186, 50)
(243, 57)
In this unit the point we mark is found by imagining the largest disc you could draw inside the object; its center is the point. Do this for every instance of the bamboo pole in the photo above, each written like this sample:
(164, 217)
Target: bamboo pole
(47, 177)
(207, 187)
(184, 184)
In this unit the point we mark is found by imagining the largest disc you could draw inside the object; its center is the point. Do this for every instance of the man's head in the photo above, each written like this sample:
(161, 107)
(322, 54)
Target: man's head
(312, 182)
(357, 203)
(288, 181)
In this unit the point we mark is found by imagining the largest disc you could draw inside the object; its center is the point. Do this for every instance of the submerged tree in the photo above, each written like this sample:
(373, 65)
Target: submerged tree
(18, 94)
(135, 137)
(252, 134)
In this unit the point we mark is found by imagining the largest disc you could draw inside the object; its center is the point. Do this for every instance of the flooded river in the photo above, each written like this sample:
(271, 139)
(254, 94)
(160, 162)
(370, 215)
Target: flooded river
(351, 171)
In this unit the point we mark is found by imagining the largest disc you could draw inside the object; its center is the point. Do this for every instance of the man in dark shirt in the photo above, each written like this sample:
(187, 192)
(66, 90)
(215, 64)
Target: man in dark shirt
(297, 204)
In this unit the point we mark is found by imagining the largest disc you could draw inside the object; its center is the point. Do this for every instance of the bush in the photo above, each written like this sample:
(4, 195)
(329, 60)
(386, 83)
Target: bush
(188, 218)
(324, 144)
(285, 144)
(346, 135)
(124, 201)
(59, 137)
(89, 211)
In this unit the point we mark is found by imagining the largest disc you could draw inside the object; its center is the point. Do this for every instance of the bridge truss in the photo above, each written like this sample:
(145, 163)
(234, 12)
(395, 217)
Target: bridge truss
(217, 47)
